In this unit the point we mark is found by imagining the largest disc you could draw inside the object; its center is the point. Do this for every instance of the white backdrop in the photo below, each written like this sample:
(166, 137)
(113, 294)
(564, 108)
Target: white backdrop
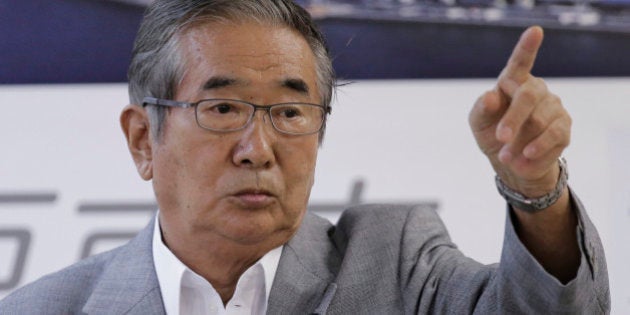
(66, 177)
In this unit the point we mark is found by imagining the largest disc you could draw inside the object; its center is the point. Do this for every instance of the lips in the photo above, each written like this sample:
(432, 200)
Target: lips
(254, 198)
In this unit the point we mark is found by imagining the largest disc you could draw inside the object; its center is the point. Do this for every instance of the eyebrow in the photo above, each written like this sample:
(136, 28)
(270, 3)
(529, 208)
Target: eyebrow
(218, 82)
(297, 85)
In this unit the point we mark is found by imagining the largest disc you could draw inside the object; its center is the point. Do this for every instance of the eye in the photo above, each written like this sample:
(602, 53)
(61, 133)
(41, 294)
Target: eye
(223, 108)
(290, 112)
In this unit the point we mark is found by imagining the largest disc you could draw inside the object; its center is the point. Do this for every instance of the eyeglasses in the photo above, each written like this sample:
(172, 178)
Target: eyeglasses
(225, 115)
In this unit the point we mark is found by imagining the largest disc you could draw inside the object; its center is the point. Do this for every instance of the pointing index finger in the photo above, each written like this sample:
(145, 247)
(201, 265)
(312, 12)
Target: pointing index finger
(523, 56)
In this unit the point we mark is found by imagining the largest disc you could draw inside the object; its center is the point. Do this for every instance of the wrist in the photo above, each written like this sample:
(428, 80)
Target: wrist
(537, 197)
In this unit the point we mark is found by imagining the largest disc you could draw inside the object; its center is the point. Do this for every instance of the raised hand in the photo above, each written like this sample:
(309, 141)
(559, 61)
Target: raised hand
(520, 125)
(523, 129)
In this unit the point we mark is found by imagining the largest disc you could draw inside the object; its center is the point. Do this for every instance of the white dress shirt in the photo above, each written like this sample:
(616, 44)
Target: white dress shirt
(185, 292)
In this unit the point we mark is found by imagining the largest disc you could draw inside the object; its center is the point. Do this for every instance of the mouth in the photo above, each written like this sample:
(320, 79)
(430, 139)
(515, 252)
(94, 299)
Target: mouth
(254, 198)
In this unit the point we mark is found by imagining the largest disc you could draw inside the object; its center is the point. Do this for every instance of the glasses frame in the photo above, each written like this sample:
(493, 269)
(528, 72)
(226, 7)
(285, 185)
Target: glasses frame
(170, 103)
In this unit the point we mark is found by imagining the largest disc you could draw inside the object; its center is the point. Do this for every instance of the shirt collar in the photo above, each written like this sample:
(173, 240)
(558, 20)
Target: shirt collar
(170, 270)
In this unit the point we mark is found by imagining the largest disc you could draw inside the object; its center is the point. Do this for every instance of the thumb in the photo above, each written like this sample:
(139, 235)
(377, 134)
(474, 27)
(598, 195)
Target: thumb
(487, 111)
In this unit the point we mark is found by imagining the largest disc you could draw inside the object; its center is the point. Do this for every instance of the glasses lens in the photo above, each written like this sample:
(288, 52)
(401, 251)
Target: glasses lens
(297, 118)
(223, 114)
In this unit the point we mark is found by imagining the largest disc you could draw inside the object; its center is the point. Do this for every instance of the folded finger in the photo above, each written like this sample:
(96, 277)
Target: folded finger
(526, 98)
(486, 112)
(534, 125)
(557, 135)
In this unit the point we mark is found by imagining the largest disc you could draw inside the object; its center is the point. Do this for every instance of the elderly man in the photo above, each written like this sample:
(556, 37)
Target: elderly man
(229, 104)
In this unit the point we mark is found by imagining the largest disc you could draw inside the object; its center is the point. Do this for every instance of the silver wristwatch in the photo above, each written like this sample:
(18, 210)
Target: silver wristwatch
(519, 201)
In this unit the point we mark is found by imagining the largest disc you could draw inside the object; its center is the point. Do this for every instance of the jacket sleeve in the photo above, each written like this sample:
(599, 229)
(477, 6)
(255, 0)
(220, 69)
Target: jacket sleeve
(438, 278)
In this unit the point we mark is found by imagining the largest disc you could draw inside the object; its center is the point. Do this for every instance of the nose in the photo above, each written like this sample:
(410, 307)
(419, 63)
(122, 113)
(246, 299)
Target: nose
(255, 148)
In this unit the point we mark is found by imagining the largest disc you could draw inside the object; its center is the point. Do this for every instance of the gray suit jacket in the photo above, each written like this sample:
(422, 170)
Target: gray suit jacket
(379, 259)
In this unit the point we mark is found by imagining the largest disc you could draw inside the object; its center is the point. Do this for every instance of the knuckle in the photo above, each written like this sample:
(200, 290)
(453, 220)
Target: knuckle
(569, 122)
(556, 134)
(478, 109)
(555, 99)
(567, 131)
(508, 121)
(536, 122)
(528, 96)
(540, 84)
(560, 134)
(520, 61)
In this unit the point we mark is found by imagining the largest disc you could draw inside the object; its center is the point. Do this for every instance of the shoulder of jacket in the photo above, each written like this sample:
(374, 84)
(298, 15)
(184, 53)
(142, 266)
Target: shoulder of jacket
(60, 291)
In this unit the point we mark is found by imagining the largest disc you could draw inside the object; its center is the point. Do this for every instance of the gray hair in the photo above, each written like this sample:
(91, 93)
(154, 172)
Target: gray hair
(157, 66)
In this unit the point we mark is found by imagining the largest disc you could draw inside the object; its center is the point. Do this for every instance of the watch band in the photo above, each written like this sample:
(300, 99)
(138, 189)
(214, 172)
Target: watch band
(517, 200)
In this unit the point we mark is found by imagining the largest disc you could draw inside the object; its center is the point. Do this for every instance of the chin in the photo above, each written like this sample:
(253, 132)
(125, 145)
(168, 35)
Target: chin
(252, 233)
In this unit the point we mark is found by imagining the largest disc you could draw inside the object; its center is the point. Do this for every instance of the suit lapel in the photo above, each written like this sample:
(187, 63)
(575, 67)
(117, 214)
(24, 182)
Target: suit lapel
(129, 285)
(304, 280)
(306, 271)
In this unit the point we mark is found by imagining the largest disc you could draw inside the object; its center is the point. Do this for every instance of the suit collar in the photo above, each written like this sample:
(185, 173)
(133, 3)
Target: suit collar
(129, 285)
(304, 280)
(307, 269)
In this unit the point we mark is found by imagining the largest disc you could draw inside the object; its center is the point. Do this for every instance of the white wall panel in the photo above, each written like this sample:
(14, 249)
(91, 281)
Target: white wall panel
(407, 141)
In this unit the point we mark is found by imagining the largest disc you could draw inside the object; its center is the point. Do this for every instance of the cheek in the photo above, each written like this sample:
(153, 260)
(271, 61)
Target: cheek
(301, 170)
(165, 182)
(177, 171)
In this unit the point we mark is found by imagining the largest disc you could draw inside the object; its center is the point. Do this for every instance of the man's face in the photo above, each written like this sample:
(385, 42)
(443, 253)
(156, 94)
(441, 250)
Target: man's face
(245, 186)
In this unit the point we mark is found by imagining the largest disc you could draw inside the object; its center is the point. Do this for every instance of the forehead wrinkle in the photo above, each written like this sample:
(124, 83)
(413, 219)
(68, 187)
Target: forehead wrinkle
(270, 58)
(291, 82)
(260, 61)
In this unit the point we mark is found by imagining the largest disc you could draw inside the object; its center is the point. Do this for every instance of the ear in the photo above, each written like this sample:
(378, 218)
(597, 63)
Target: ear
(136, 127)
